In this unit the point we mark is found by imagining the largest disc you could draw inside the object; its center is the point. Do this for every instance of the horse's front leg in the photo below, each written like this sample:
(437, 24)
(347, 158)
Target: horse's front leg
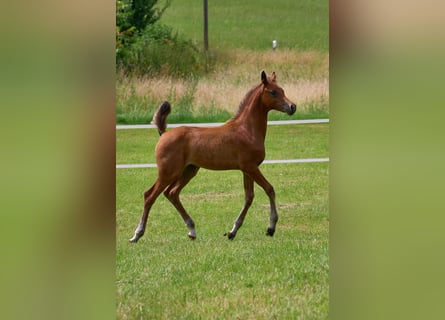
(248, 199)
(268, 188)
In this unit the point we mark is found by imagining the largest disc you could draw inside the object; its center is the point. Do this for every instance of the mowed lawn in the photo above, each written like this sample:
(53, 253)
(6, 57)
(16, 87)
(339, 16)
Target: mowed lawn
(167, 276)
(253, 24)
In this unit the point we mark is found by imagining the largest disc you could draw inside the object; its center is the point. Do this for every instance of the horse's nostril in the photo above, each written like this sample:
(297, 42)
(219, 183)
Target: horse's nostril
(293, 107)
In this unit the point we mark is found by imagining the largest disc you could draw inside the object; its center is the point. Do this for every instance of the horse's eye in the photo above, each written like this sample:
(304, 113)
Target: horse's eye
(273, 92)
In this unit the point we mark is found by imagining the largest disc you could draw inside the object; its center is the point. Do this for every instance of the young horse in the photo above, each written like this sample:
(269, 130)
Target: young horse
(237, 144)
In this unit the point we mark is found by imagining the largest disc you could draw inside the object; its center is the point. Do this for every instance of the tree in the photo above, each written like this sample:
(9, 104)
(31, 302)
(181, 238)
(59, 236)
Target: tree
(143, 13)
(133, 16)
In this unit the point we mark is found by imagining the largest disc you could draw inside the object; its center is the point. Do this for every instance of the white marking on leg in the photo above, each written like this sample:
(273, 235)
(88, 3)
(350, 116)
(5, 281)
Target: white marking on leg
(238, 223)
(191, 226)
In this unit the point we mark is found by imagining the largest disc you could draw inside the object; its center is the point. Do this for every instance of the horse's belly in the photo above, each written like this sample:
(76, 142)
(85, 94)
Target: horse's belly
(215, 162)
(230, 159)
(216, 148)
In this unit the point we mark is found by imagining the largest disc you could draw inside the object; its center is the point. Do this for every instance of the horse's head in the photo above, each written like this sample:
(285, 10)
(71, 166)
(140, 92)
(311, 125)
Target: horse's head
(273, 96)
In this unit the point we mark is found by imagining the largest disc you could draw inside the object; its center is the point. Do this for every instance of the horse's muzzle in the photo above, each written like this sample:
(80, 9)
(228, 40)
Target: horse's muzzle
(290, 109)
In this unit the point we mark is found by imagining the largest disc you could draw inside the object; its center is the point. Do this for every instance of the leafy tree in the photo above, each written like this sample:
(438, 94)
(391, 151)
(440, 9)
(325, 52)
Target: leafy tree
(133, 16)
(144, 13)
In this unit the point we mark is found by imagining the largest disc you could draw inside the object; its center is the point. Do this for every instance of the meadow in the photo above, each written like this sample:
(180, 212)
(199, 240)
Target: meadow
(240, 36)
(167, 276)
(253, 24)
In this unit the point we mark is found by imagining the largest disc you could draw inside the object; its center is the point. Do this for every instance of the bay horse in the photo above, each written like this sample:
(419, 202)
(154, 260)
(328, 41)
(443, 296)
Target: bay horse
(237, 144)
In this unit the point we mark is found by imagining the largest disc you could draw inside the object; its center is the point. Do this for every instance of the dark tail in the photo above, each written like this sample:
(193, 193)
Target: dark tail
(160, 117)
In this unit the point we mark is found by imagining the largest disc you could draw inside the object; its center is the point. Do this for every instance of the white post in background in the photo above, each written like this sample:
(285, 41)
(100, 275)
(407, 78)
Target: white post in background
(274, 44)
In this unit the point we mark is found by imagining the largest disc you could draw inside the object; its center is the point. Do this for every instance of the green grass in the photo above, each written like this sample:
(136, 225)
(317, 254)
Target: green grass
(167, 276)
(253, 24)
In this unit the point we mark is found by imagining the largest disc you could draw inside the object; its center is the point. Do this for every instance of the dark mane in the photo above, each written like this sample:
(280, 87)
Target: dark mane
(245, 101)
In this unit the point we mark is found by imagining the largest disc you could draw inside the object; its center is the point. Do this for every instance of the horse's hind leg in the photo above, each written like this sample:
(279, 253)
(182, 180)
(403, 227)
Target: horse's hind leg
(149, 198)
(172, 194)
(248, 199)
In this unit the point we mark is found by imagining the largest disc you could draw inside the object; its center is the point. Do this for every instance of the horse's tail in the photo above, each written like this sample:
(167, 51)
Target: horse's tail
(160, 117)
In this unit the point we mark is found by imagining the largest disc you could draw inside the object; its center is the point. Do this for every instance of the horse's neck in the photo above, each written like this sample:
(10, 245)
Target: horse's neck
(254, 119)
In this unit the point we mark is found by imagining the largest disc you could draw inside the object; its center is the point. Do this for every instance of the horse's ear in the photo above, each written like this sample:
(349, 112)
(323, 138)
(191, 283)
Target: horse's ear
(264, 78)
(274, 77)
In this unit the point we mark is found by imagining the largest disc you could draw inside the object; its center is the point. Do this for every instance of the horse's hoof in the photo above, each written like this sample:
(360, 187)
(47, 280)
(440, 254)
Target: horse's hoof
(230, 235)
(192, 237)
(134, 239)
(270, 232)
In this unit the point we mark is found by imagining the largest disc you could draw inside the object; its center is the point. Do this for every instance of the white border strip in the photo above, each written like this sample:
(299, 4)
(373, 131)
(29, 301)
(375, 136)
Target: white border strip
(136, 166)
(153, 165)
(215, 124)
(310, 160)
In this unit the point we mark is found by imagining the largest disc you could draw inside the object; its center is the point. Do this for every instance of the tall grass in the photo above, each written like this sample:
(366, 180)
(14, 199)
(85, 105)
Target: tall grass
(215, 96)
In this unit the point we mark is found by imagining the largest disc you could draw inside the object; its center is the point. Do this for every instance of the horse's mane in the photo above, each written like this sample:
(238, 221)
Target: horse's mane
(245, 101)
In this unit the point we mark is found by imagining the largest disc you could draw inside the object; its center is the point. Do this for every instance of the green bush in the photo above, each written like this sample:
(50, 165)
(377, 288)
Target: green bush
(146, 48)
(158, 50)
(132, 17)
